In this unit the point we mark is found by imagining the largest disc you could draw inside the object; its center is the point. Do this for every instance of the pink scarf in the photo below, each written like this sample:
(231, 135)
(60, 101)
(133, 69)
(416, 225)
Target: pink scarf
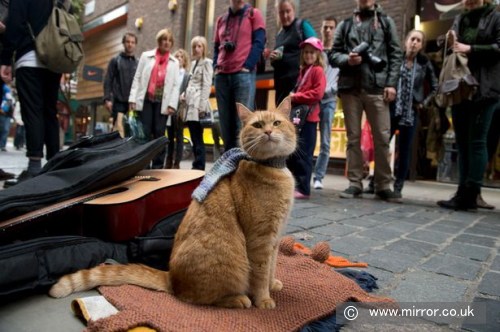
(157, 80)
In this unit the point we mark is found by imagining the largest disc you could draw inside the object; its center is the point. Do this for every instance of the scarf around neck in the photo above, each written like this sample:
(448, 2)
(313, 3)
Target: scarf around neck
(157, 80)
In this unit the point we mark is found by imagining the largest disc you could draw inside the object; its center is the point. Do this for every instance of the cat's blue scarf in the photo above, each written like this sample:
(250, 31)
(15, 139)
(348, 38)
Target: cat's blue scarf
(225, 165)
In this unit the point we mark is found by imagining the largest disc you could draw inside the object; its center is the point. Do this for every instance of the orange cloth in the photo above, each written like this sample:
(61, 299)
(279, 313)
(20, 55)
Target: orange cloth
(333, 261)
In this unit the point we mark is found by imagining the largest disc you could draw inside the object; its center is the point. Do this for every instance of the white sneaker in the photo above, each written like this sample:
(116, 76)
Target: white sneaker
(318, 184)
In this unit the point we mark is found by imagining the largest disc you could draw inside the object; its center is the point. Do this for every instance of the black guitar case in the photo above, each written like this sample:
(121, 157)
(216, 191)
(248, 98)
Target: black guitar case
(89, 165)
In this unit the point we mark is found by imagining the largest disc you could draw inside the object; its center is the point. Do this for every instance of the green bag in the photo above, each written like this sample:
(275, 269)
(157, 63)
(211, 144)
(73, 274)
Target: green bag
(133, 127)
(59, 44)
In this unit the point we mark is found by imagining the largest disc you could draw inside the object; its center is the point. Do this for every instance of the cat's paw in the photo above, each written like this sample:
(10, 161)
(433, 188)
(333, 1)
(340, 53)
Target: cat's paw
(238, 302)
(276, 286)
(267, 303)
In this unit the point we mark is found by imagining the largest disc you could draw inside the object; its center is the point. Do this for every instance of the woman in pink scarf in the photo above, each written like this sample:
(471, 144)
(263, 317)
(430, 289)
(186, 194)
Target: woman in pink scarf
(155, 89)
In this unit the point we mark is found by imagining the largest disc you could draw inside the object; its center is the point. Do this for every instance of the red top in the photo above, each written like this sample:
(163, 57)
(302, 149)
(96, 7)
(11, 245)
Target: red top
(228, 28)
(311, 90)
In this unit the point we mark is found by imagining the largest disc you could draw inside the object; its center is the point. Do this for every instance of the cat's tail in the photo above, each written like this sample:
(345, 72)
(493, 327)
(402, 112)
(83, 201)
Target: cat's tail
(112, 275)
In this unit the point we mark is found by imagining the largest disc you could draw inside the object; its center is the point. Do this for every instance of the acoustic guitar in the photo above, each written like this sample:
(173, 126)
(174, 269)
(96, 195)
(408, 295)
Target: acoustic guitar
(117, 213)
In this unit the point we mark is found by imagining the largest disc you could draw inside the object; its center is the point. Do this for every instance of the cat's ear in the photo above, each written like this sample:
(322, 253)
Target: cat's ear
(285, 107)
(243, 112)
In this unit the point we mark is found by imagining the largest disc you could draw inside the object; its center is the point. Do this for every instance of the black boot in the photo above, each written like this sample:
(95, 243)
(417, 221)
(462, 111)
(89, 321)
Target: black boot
(464, 199)
(371, 186)
(453, 203)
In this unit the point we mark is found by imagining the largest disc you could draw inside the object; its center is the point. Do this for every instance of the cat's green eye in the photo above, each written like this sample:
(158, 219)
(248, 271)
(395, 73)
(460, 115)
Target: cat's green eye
(276, 123)
(257, 125)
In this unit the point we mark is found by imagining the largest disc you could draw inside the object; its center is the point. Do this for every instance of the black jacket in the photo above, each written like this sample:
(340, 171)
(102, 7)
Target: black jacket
(119, 77)
(424, 71)
(484, 59)
(17, 36)
(384, 43)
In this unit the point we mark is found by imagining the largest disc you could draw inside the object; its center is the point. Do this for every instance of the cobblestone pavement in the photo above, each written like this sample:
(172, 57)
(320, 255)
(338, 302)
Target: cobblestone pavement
(418, 251)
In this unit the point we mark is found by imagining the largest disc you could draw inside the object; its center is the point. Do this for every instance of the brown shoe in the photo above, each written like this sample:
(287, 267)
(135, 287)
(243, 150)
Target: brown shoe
(482, 204)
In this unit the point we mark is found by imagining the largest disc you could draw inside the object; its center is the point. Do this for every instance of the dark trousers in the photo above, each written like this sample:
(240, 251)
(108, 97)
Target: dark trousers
(196, 133)
(300, 162)
(405, 142)
(176, 140)
(37, 90)
(20, 137)
(154, 124)
(471, 121)
(118, 107)
(283, 87)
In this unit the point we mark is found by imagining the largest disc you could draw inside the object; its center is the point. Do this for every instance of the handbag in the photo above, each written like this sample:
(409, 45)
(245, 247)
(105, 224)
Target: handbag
(300, 112)
(456, 83)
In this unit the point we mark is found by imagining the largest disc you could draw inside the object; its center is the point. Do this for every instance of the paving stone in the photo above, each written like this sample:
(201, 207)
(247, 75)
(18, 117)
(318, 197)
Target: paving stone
(333, 216)
(308, 222)
(418, 221)
(335, 230)
(491, 321)
(380, 217)
(364, 222)
(440, 227)
(483, 230)
(300, 213)
(382, 233)
(453, 266)
(491, 220)
(389, 260)
(477, 240)
(431, 214)
(401, 226)
(495, 265)
(469, 251)
(490, 284)
(422, 286)
(354, 244)
(415, 248)
(429, 236)
(468, 217)
(292, 229)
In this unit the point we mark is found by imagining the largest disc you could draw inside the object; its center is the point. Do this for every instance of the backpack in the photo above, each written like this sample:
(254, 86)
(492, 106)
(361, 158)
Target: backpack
(59, 44)
(456, 83)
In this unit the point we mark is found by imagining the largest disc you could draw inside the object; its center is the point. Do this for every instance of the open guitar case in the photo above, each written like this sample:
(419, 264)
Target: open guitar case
(32, 257)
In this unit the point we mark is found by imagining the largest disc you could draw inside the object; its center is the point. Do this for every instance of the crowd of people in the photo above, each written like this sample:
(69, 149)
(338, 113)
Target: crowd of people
(359, 60)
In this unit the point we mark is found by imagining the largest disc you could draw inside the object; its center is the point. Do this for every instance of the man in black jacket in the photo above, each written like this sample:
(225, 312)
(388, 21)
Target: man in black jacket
(36, 85)
(119, 77)
(367, 51)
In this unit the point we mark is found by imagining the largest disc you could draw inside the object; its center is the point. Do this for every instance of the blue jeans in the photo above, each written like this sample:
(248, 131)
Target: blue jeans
(4, 130)
(327, 111)
(229, 90)
(300, 163)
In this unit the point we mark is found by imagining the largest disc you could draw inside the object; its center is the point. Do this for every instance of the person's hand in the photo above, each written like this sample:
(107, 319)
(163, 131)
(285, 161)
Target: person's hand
(131, 106)
(461, 48)
(109, 105)
(202, 114)
(182, 97)
(170, 111)
(419, 107)
(244, 70)
(6, 73)
(2, 27)
(273, 55)
(389, 94)
(291, 95)
(354, 59)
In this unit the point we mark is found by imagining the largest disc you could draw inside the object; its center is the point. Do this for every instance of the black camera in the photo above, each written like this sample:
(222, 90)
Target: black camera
(229, 46)
(374, 61)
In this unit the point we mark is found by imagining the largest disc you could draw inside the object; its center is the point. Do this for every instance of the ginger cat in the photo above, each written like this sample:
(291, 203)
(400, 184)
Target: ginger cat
(225, 250)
